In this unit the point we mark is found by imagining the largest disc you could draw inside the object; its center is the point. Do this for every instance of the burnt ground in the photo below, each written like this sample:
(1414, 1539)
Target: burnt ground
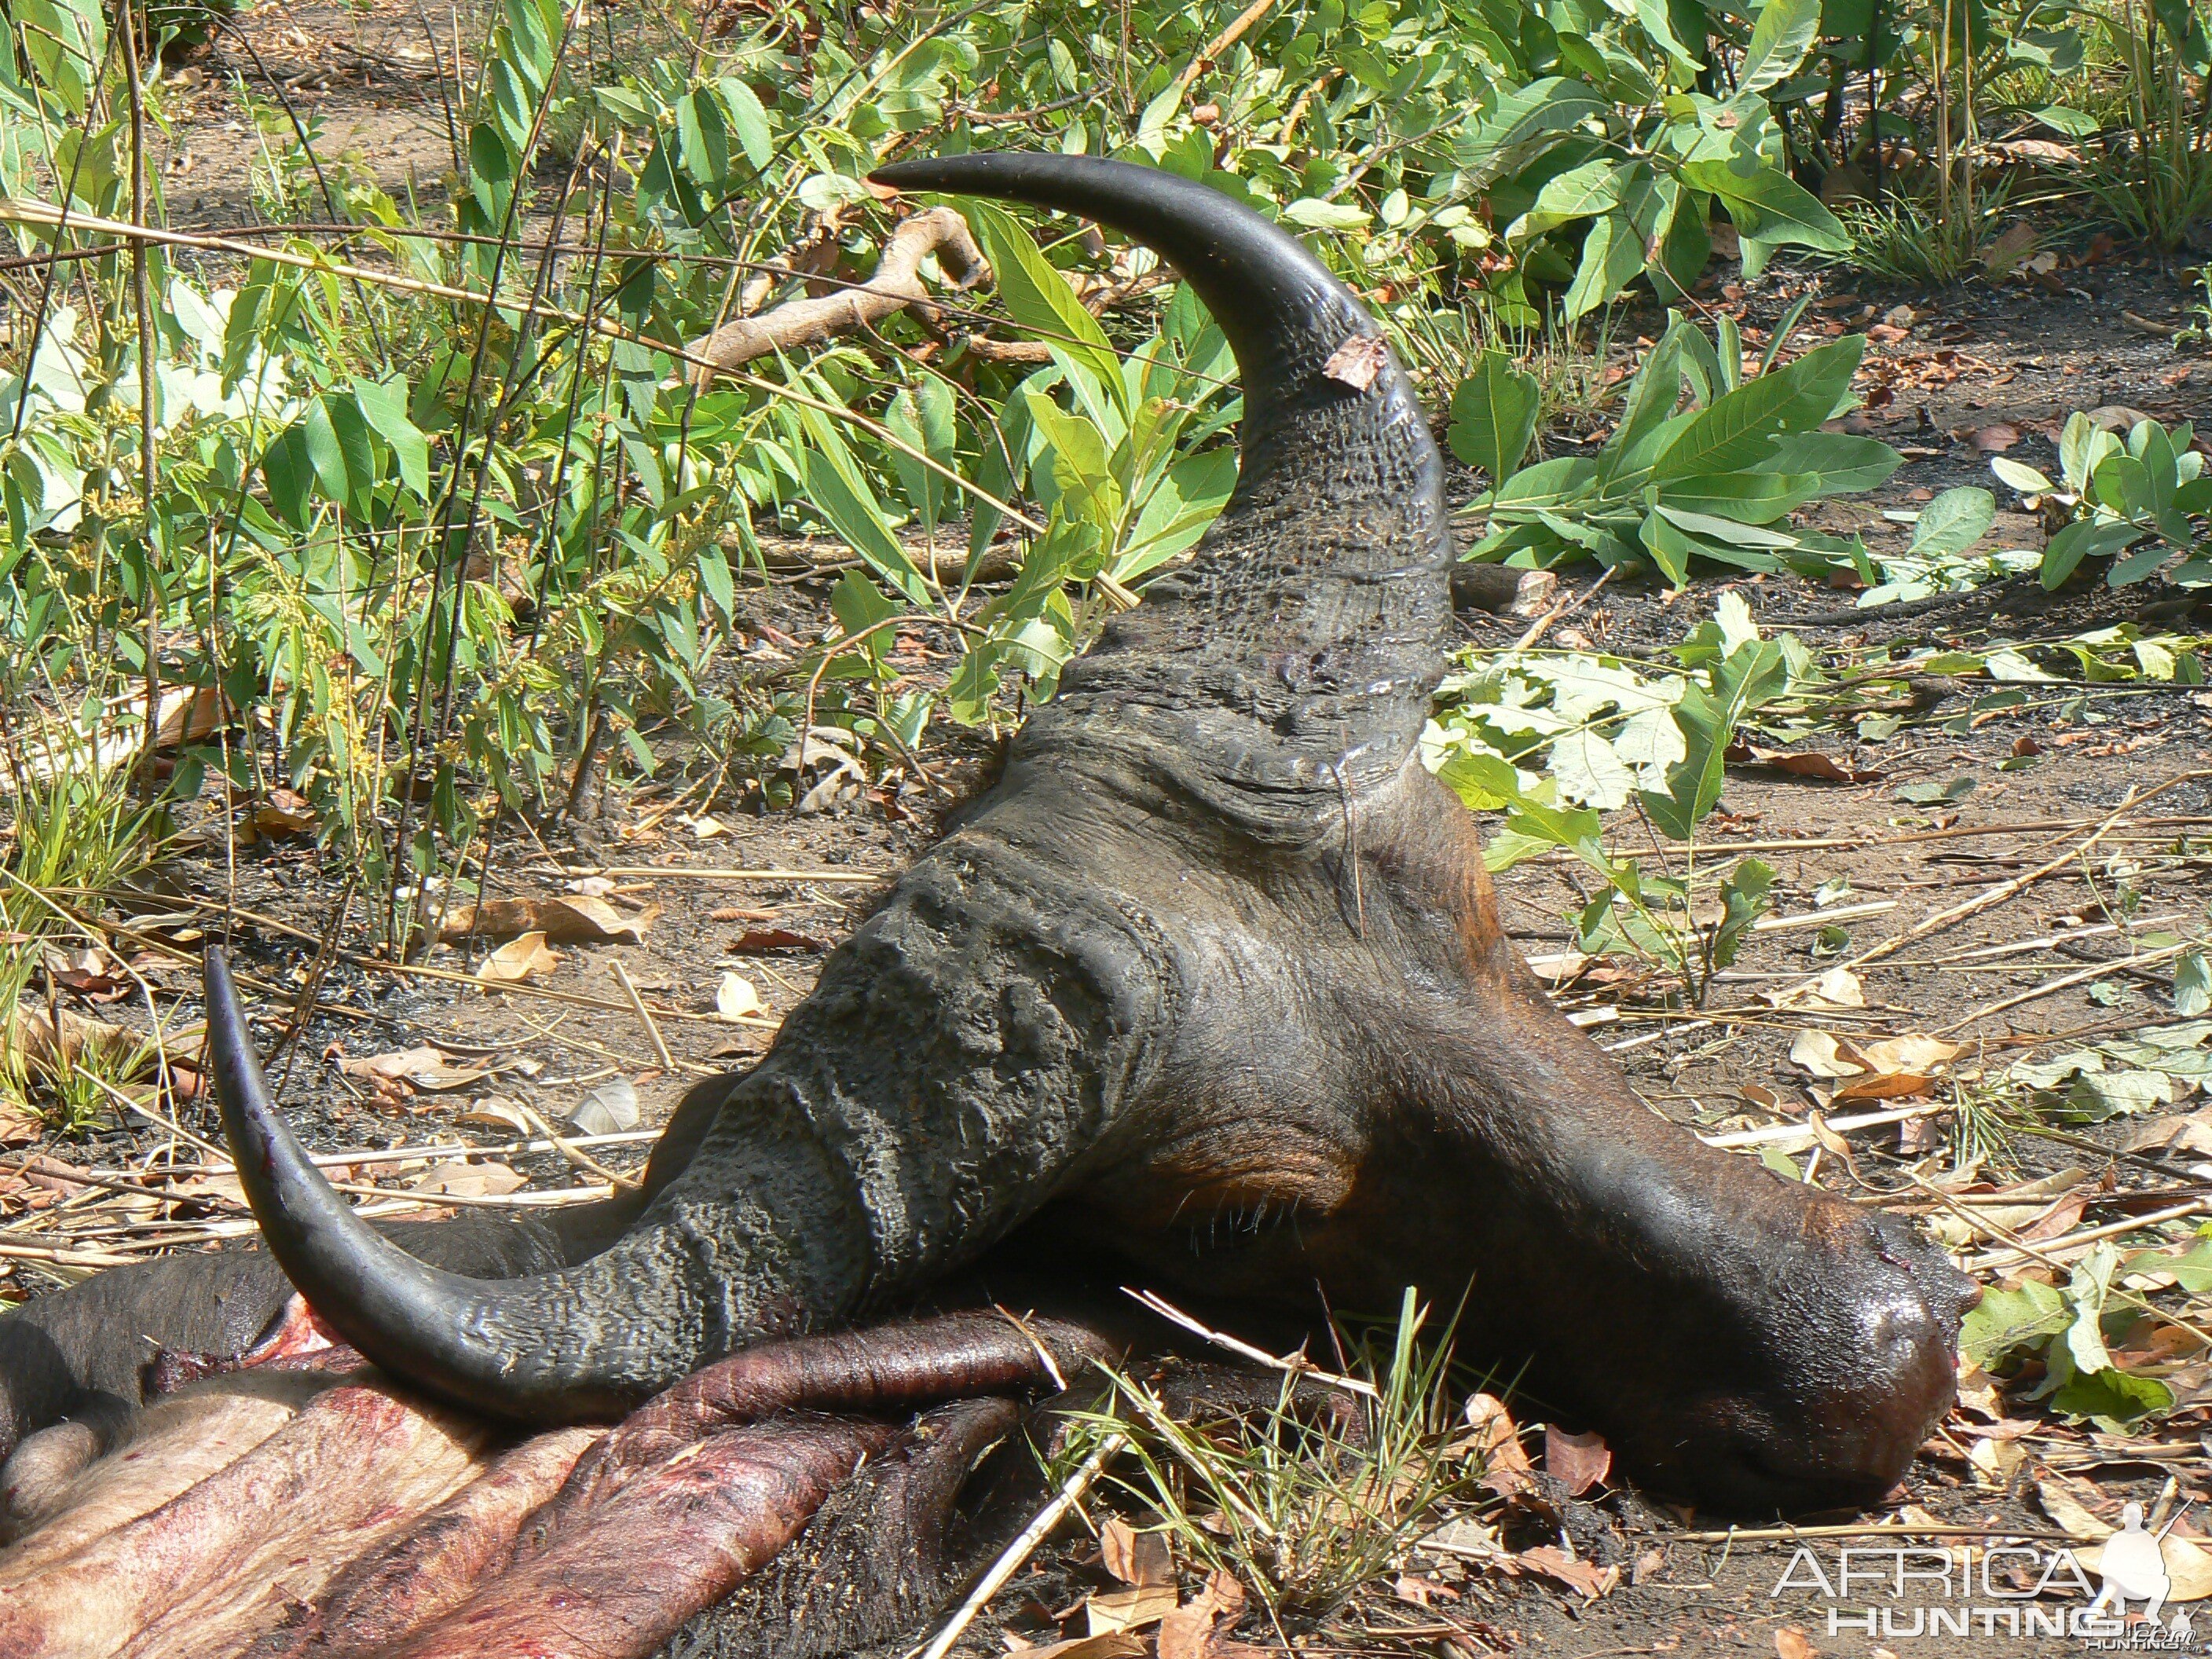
(718, 887)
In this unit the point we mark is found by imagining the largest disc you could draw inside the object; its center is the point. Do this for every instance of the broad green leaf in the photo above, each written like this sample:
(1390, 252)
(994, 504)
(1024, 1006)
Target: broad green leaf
(384, 405)
(1578, 193)
(1785, 31)
(1612, 254)
(2024, 479)
(1844, 464)
(1736, 431)
(1953, 522)
(1493, 416)
(1769, 207)
(1039, 299)
(2192, 984)
(1709, 716)
(748, 120)
(1752, 498)
(2005, 1321)
(325, 452)
(920, 415)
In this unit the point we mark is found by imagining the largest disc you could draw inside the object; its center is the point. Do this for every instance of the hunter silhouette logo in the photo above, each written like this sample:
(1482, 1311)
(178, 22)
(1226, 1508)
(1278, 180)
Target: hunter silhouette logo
(2134, 1569)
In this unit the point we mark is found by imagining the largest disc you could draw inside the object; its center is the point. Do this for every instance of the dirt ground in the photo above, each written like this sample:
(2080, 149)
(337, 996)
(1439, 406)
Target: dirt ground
(717, 891)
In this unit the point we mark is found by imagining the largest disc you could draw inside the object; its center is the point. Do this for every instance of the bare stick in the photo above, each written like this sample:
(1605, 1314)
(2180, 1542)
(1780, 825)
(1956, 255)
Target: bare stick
(2095, 971)
(644, 1017)
(895, 285)
(1221, 43)
(1295, 1364)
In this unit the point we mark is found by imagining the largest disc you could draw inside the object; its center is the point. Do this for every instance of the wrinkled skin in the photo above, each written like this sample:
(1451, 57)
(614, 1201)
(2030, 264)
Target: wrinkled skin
(1212, 974)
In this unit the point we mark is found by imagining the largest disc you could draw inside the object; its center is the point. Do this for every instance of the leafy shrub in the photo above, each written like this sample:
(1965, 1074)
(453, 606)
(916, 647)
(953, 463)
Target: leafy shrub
(1714, 480)
(2138, 501)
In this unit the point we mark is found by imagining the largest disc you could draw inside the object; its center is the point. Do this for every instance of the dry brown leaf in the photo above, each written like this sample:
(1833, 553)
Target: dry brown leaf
(1839, 988)
(286, 812)
(1111, 1611)
(1144, 1559)
(1906, 1054)
(1117, 1644)
(1581, 1460)
(19, 1125)
(1585, 1577)
(526, 957)
(1818, 1052)
(428, 1069)
(1790, 1643)
(754, 940)
(1884, 1085)
(495, 1112)
(1799, 762)
(1189, 1632)
(581, 919)
(1357, 361)
(486, 1179)
(1994, 437)
(2177, 1135)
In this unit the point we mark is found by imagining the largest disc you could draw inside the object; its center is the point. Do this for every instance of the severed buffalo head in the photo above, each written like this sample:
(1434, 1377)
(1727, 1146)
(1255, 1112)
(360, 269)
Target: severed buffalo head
(1213, 973)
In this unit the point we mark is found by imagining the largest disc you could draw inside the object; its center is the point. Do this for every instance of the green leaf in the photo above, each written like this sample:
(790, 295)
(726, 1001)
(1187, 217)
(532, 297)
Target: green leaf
(1039, 299)
(2024, 479)
(1578, 193)
(2192, 984)
(837, 489)
(1953, 522)
(1844, 464)
(384, 406)
(2112, 1399)
(1613, 253)
(1746, 497)
(1769, 207)
(2005, 1321)
(325, 452)
(1709, 715)
(1746, 896)
(1736, 430)
(2074, 122)
(920, 415)
(1779, 40)
(748, 120)
(1493, 416)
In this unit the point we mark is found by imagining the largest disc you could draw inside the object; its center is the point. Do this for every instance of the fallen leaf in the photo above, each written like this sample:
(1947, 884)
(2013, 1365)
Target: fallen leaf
(1817, 1052)
(19, 1125)
(582, 919)
(430, 1070)
(2006, 251)
(1790, 1643)
(1357, 361)
(1839, 988)
(1582, 1460)
(1885, 1085)
(1585, 1577)
(754, 940)
(1111, 1611)
(709, 828)
(1141, 1558)
(738, 913)
(608, 1109)
(1906, 1054)
(519, 959)
(736, 997)
(1994, 437)
(285, 812)
(1802, 764)
(1419, 1591)
(487, 1180)
(1118, 1644)
(1189, 1632)
(592, 886)
(497, 1112)
(2117, 417)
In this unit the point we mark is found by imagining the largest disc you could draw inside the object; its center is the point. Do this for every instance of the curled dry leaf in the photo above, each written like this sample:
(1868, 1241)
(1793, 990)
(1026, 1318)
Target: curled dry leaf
(1143, 1559)
(1113, 1611)
(1580, 1460)
(1801, 763)
(1996, 438)
(1790, 1643)
(1117, 1644)
(1586, 1578)
(519, 959)
(736, 998)
(583, 919)
(1839, 988)
(1357, 361)
(285, 812)
(428, 1069)
(610, 1109)
(754, 941)
(487, 1180)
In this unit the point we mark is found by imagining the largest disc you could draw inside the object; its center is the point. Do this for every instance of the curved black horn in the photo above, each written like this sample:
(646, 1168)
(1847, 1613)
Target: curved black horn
(1288, 668)
(1274, 679)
